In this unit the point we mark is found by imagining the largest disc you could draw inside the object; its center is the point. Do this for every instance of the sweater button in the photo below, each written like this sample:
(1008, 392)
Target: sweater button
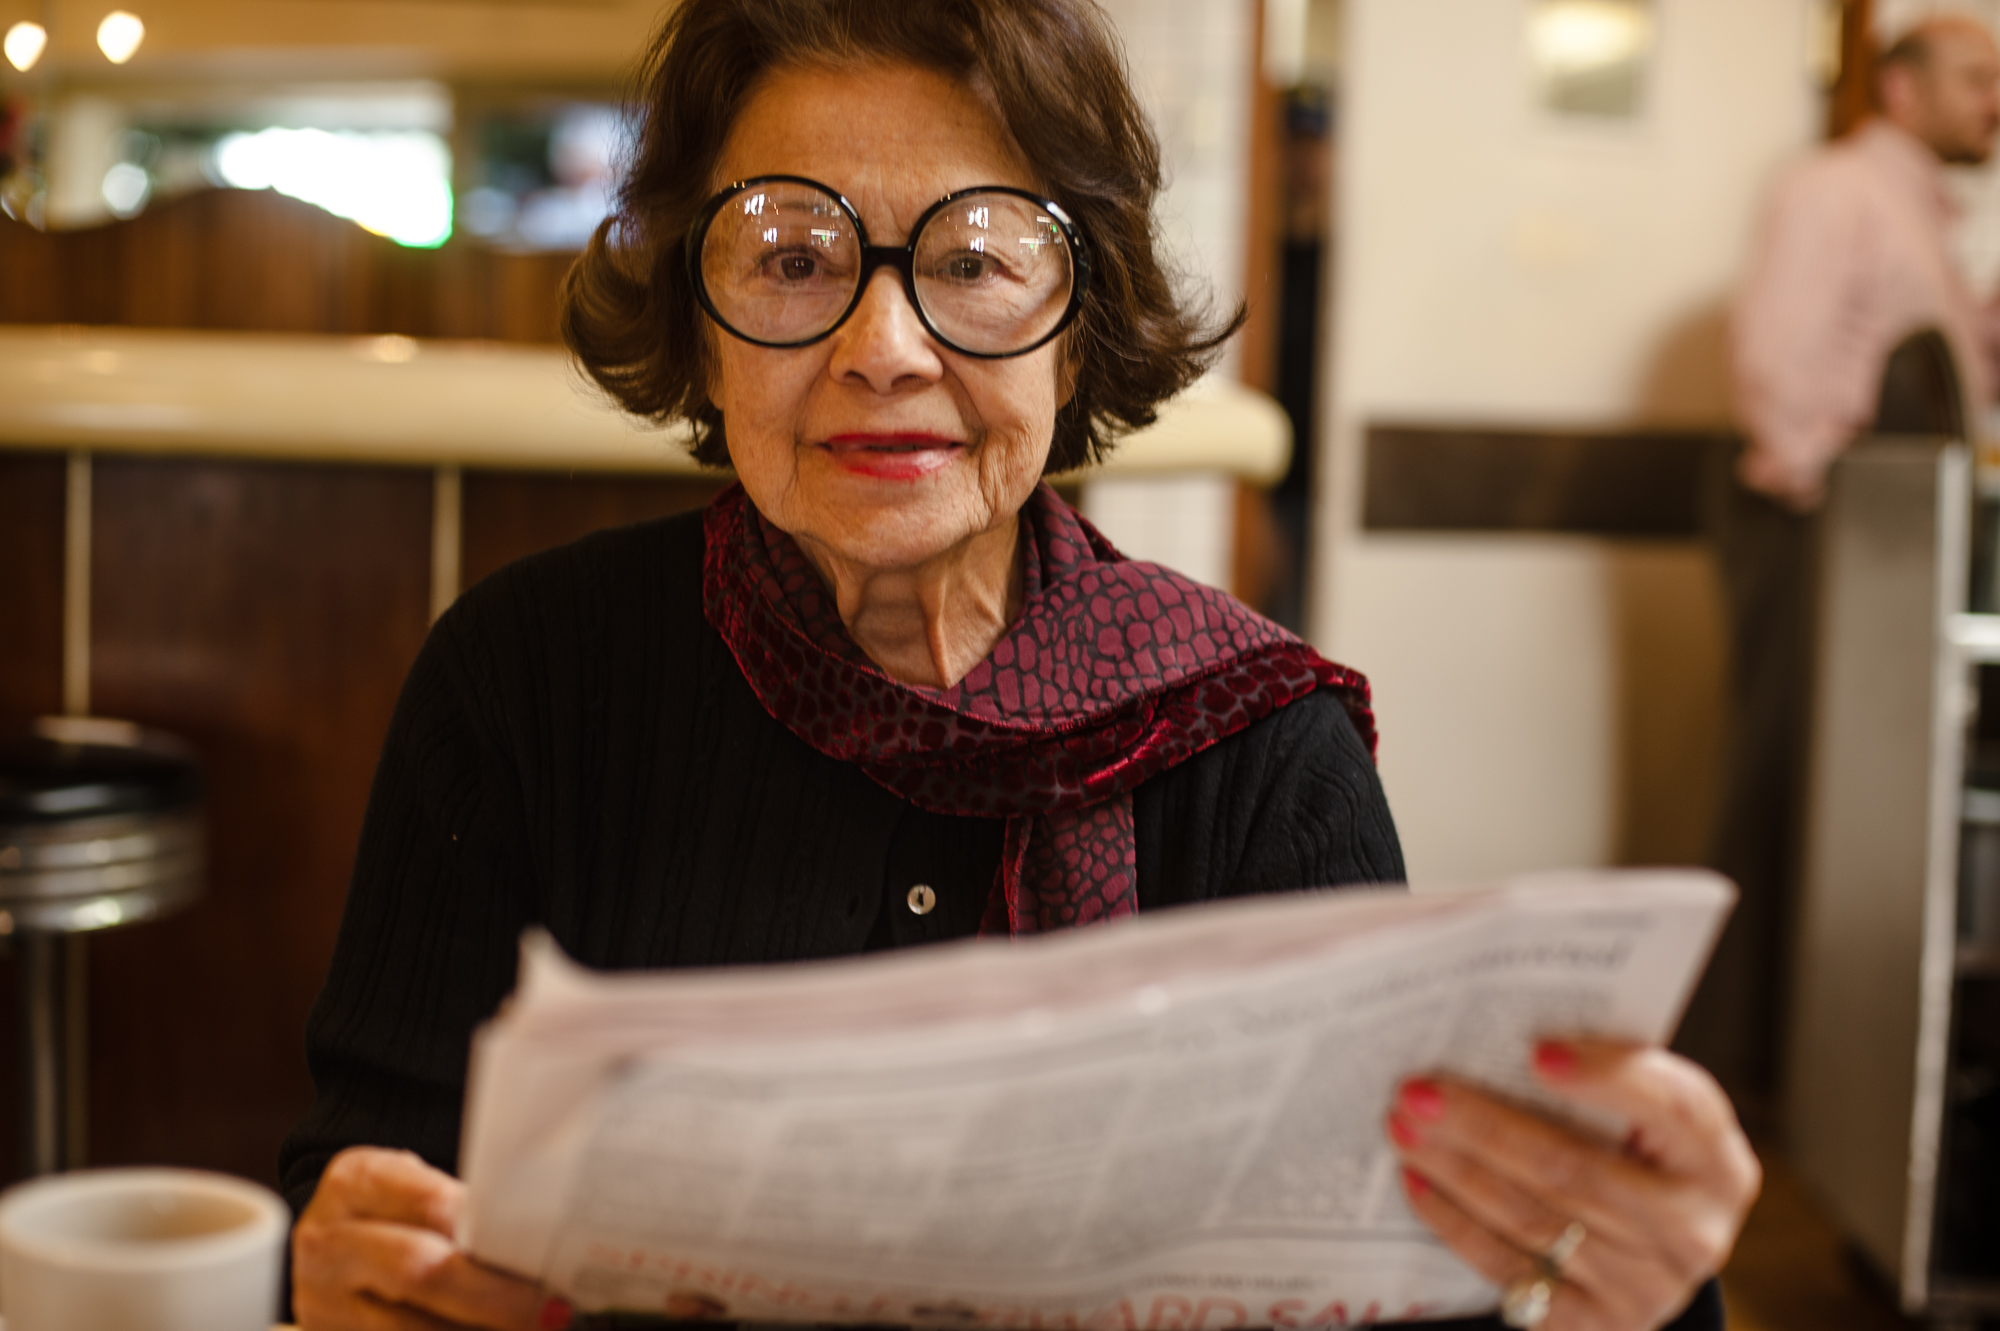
(921, 899)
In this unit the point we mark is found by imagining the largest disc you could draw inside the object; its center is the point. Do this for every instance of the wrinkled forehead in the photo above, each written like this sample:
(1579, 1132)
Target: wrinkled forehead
(891, 139)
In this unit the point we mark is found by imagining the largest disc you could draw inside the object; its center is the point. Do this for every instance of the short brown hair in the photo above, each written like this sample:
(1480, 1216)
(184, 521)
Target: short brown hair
(1911, 51)
(1055, 76)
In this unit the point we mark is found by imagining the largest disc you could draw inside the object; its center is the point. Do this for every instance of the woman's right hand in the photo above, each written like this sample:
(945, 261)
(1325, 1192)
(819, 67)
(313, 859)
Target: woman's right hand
(374, 1252)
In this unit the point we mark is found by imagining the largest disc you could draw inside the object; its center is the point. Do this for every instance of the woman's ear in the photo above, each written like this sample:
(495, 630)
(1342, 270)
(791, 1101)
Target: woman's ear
(1069, 369)
(704, 363)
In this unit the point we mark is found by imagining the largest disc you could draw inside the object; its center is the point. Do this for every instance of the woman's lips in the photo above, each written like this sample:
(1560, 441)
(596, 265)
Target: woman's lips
(891, 457)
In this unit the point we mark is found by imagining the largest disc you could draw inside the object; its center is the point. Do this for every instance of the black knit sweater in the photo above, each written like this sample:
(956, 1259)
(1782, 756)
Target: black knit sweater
(576, 748)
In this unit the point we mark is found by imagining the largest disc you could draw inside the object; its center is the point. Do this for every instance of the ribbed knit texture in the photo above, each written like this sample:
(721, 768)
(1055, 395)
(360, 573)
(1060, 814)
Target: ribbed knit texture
(576, 748)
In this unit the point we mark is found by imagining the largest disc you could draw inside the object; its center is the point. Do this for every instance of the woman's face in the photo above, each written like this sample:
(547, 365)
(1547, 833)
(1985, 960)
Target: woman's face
(877, 445)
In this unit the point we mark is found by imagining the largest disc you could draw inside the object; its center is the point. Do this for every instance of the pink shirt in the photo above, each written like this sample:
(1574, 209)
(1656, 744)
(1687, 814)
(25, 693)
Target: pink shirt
(1854, 256)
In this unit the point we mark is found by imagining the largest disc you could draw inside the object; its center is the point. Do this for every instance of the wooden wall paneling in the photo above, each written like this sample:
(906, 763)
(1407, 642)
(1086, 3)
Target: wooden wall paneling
(229, 259)
(487, 293)
(527, 296)
(90, 265)
(31, 574)
(31, 286)
(159, 259)
(1851, 100)
(1258, 555)
(511, 514)
(270, 262)
(267, 613)
(32, 486)
(461, 302)
(1264, 185)
(1637, 483)
(405, 289)
(254, 260)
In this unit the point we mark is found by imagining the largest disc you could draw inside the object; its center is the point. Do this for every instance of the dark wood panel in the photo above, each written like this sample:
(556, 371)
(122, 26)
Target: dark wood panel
(1642, 483)
(268, 614)
(1851, 99)
(31, 571)
(32, 289)
(511, 514)
(487, 293)
(254, 260)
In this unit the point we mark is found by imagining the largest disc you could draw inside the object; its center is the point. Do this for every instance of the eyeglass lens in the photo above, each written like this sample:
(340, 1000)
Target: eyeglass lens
(992, 271)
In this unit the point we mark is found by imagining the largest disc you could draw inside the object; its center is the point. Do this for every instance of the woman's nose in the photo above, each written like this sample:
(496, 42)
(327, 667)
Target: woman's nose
(883, 343)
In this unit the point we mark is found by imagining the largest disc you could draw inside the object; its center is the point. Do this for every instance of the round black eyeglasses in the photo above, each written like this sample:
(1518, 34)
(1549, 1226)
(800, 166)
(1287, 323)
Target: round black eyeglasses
(992, 271)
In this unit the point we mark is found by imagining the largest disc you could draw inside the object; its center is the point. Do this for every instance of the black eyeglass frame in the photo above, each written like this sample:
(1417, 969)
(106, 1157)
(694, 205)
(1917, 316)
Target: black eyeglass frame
(900, 257)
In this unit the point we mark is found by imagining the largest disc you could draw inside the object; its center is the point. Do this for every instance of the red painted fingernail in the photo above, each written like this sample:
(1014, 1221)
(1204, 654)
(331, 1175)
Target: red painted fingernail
(1424, 1099)
(1555, 1059)
(1416, 1185)
(556, 1314)
(1405, 1132)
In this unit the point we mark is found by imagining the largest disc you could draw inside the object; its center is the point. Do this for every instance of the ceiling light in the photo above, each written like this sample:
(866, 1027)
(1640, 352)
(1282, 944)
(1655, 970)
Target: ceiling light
(24, 45)
(119, 36)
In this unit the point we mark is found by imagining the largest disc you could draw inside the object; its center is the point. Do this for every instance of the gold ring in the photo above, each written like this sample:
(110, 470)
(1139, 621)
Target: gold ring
(1525, 1303)
(1557, 1254)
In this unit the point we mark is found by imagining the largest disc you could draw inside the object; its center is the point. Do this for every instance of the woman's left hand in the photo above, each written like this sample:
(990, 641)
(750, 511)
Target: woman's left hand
(1658, 1214)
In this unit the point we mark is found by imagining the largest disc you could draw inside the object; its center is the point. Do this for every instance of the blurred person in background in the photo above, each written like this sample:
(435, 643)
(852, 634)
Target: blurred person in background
(1853, 256)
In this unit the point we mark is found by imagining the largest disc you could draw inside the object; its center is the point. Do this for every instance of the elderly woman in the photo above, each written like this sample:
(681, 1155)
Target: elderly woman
(895, 260)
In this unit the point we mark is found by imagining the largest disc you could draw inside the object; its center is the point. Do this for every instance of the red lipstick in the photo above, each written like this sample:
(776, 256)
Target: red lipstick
(901, 456)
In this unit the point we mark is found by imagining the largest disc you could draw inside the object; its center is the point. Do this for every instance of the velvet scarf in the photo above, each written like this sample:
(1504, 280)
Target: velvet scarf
(1115, 670)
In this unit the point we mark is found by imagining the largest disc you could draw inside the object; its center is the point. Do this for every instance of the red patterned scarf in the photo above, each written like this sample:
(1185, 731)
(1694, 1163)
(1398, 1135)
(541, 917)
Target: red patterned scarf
(1115, 670)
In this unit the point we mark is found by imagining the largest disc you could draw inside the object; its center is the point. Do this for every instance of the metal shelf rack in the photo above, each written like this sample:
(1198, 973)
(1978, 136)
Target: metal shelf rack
(1880, 973)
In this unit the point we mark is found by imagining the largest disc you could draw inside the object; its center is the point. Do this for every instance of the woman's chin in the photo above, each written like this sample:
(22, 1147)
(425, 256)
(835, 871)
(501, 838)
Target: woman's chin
(883, 520)
(906, 535)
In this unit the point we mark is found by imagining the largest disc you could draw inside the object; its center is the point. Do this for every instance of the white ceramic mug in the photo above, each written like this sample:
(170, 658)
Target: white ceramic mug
(140, 1250)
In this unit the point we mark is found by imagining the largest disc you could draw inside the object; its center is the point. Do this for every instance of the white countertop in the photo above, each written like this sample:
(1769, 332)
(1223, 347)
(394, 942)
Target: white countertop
(284, 396)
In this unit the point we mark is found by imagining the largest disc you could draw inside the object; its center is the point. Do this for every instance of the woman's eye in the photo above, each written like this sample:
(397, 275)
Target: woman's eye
(792, 266)
(967, 267)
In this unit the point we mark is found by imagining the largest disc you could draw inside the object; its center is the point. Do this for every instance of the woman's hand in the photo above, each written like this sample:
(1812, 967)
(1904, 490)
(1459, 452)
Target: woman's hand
(374, 1252)
(1659, 1215)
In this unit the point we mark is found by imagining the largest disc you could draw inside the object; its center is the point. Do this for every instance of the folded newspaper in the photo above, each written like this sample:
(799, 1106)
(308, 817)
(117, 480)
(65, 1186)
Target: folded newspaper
(1174, 1122)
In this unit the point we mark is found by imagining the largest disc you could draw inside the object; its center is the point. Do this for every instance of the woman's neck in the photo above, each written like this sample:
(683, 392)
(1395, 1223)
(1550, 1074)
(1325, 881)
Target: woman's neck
(930, 624)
